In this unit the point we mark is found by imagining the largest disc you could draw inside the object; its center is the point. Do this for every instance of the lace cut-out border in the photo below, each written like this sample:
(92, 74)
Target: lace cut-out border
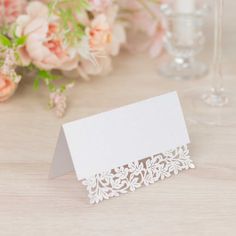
(137, 174)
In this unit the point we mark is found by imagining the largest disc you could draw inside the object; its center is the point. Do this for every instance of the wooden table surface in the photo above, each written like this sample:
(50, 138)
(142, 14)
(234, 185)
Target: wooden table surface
(196, 202)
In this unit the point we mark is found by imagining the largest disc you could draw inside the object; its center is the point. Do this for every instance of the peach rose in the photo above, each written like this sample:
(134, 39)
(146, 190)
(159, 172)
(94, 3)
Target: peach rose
(99, 33)
(7, 87)
(10, 10)
(44, 46)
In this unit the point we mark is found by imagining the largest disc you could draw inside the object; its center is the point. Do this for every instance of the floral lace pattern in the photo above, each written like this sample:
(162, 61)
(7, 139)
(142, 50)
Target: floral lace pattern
(136, 174)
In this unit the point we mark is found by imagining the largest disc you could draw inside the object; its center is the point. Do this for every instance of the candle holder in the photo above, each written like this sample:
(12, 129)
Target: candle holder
(217, 105)
(184, 39)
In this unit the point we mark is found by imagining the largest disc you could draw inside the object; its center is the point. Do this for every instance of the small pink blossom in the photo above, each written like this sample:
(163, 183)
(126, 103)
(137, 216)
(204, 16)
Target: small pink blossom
(9, 66)
(58, 101)
(10, 10)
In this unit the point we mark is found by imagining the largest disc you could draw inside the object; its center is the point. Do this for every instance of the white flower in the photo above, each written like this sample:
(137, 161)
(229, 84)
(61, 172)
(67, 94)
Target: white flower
(121, 172)
(135, 168)
(162, 172)
(134, 183)
(175, 166)
(152, 164)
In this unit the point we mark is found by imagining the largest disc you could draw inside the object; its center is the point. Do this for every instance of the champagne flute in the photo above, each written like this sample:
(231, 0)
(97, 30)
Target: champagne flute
(217, 105)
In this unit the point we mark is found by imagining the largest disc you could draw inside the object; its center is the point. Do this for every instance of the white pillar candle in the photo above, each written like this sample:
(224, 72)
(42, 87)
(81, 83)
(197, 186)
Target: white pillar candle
(183, 26)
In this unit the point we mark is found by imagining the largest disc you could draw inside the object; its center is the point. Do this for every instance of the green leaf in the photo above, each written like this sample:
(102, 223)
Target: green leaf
(5, 41)
(21, 41)
(47, 75)
(36, 83)
(43, 74)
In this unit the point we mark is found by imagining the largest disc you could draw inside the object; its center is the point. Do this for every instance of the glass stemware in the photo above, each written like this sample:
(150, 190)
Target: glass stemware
(216, 96)
(217, 105)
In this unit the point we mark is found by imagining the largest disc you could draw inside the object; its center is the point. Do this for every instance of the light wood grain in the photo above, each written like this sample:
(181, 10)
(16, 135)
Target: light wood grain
(197, 202)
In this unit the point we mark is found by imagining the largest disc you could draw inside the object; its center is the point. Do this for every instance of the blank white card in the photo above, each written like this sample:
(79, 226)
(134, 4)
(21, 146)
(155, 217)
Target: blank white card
(115, 138)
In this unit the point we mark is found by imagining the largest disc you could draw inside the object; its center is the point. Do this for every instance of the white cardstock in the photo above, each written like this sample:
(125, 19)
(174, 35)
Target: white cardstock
(121, 150)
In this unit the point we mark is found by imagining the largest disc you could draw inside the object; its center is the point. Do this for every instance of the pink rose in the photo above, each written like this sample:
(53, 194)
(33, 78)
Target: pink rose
(44, 47)
(99, 33)
(10, 10)
(7, 87)
(105, 33)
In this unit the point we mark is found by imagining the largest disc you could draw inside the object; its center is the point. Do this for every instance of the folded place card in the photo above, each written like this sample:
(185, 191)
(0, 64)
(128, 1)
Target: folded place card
(121, 150)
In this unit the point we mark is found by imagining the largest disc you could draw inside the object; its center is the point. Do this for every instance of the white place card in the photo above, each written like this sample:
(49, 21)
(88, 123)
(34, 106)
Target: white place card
(121, 150)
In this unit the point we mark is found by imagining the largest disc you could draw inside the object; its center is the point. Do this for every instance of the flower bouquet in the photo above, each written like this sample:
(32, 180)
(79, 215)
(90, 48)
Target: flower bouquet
(58, 40)
(50, 39)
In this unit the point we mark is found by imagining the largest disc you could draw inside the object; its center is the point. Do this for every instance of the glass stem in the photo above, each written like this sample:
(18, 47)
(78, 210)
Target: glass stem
(216, 96)
(217, 80)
